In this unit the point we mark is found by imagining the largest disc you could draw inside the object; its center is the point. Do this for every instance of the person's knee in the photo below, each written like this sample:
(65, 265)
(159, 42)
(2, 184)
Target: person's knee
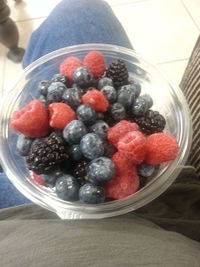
(67, 5)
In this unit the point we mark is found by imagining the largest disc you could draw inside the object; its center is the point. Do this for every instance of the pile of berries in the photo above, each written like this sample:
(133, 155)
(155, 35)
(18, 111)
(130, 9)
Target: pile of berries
(91, 134)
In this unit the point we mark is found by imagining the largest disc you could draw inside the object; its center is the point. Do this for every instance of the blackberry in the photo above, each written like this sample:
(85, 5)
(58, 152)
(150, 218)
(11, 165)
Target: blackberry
(46, 154)
(80, 172)
(118, 72)
(151, 122)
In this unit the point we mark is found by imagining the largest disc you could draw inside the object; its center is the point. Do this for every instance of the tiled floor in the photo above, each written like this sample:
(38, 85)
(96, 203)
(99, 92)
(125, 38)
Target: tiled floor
(164, 31)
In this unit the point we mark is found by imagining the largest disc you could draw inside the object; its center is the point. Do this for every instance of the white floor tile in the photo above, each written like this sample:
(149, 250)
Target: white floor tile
(30, 9)
(13, 70)
(157, 29)
(26, 28)
(193, 6)
(174, 70)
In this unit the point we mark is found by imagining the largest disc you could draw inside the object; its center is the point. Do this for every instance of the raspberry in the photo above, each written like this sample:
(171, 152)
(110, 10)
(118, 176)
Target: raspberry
(133, 146)
(60, 115)
(32, 120)
(96, 63)
(161, 147)
(38, 180)
(68, 66)
(96, 100)
(119, 130)
(121, 186)
(122, 165)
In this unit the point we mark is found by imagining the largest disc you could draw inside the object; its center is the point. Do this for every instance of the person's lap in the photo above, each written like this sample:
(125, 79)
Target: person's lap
(121, 241)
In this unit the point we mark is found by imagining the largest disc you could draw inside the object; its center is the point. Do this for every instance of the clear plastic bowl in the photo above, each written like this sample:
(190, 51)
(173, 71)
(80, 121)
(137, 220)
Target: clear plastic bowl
(168, 99)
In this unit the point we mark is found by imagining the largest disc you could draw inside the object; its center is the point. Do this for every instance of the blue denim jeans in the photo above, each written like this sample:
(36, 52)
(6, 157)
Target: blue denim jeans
(71, 22)
(75, 22)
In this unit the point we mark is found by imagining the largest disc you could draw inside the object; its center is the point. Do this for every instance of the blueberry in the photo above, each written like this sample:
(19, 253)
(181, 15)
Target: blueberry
(99, 116)
(50, 178)
(72, 97)
(74, 131)
(110, 93)
(23, 145)
(42, 87)
(75, 152)
(139, 107)
(56, 87)
(148, 99)
(100, 128)
(100, 170)
(55, 92)
(104, 81)
(67, 187)
(34, 142)
(117, 112)
(136, 86)
(126, 96)
(59, 78)
(91, 194)
(109, 149)
(86, 114)
(80, 90)
(83, 77)
(146, 170)
(92, 146)
(42, 98)
(74, 85)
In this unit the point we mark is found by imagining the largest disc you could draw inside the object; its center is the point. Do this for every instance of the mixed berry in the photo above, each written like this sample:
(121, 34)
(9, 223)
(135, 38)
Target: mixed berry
(92, 135)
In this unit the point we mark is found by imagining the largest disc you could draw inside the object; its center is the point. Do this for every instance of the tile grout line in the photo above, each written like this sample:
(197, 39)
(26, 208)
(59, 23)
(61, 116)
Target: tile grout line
(29, 19)
(172, 61)
(190, 15)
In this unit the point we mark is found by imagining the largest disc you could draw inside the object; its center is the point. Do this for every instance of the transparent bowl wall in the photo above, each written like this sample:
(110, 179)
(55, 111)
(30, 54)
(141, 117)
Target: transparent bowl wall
(168, 99)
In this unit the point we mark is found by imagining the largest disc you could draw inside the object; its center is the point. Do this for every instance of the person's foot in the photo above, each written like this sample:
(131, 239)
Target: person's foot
(16, 55)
